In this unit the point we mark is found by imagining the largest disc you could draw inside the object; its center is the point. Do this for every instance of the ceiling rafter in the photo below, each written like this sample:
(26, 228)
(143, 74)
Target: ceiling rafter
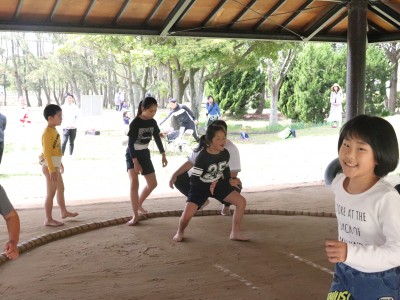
(214, 11)
(336, 22)
(153, 12)
(268, 14)
(386, 13)
(121, 12)
(176, 13)
(295, 14)
(88, 11)
(18, 9)
(323, 21)
(242, 12)
(54, 10)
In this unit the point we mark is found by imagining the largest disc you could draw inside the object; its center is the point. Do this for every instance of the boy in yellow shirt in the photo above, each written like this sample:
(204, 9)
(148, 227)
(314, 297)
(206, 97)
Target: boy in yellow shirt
(52, 166)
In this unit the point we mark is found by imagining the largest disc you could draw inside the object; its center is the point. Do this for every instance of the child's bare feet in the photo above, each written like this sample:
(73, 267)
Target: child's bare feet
(178, 237)
(53, 223)
(133, 221)
(226, 211)
(142, 210)
(69, 215)
(238, 237)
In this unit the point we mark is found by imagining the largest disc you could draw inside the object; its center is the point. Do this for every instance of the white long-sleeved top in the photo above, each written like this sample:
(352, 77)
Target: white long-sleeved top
(70, 115)
(370, 225)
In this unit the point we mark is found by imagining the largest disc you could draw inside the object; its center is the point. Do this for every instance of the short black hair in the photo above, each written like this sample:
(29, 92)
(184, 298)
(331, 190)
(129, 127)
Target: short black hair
(380, 135)
(220, 123)
(51, 110)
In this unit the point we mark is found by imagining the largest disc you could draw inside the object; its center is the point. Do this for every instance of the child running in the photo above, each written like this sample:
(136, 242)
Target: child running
(367, 254)
(138, 161)
(211, 178)
(52, 166)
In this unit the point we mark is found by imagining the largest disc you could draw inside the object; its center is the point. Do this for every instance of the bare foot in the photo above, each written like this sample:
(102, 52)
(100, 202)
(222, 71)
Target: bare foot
(142, 210)
(69, 215)
(226, 211)
(178, 237)
(53, 223)
(238, 237)
(132, 222)
(205, 204)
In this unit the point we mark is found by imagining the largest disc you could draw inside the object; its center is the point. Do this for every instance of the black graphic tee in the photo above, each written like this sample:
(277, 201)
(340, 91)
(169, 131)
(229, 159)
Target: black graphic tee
(209, 167)
(140, 134)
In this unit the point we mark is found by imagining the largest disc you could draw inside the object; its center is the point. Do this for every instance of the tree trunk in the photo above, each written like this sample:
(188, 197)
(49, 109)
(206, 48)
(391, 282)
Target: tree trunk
(393, 88)
(17, 77)
(261, 104)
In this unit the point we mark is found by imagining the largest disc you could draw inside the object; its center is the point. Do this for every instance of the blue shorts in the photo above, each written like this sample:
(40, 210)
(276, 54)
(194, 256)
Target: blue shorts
(349, 283)
(143, 157)
(199, 196)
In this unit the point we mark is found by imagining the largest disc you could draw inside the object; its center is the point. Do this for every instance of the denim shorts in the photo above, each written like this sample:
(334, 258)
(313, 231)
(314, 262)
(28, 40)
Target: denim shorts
(349, 283)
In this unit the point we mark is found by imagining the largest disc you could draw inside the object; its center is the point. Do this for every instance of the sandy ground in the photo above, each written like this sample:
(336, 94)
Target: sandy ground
(285, 258)
(142, 262)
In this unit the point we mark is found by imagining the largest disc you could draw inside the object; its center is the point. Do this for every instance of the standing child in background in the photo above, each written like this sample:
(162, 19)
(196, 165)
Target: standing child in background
(367, 254)
(213, 112)
(69, 124)
(138, 160)
(13, 225)
(52, 166)
(211, 178)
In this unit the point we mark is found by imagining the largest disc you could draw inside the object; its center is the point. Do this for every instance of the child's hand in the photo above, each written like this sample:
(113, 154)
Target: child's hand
(212, 186)
(137, 168)
(236, 182)
(172, 181)
(164, 161)
(12, 250)
(54, 176)
(336, 251)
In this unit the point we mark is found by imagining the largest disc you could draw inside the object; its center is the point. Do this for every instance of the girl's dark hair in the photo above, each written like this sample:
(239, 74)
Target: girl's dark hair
(209, 96)
(51, 110)
(205, 140)
(145, 104)
(380, 135)
(69, 94)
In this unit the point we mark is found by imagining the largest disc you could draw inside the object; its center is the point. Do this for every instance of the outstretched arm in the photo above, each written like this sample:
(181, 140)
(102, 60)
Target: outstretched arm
(13, 227)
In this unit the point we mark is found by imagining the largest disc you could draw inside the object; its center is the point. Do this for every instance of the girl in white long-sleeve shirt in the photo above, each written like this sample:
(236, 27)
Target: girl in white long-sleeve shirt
(367, 253)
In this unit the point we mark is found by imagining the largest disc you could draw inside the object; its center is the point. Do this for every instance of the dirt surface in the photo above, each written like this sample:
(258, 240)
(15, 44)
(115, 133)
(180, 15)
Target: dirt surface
(285, 258)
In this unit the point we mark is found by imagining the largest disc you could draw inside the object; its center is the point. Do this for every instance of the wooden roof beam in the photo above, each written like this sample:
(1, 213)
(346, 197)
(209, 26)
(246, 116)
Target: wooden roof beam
(214, 11)
(175, 15)
(268, 14)
(295, 14)
(386, 13)
(18, 10)
(121, 12)
(88, 11)
(153, 12)
(324, 21)
(54, 10)
(241, 14)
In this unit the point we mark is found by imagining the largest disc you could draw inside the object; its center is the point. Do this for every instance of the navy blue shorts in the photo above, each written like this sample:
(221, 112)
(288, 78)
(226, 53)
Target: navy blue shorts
(199, 196)
(143, 157)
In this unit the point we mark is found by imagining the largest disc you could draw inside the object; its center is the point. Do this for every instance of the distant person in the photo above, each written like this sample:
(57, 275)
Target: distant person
(126, 117)
(336, 111)
(11, 217)
(25, 113)
(118, 101)
(213, 112)
(367, 251)
(184, 116)
(70, 113)
(141, 130)
(3, 124)
(181, 177)
(52, 166)
(211, 178)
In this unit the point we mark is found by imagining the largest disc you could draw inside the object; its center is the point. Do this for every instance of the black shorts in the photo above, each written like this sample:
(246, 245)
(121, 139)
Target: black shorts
(199, 196)
(143, 157)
